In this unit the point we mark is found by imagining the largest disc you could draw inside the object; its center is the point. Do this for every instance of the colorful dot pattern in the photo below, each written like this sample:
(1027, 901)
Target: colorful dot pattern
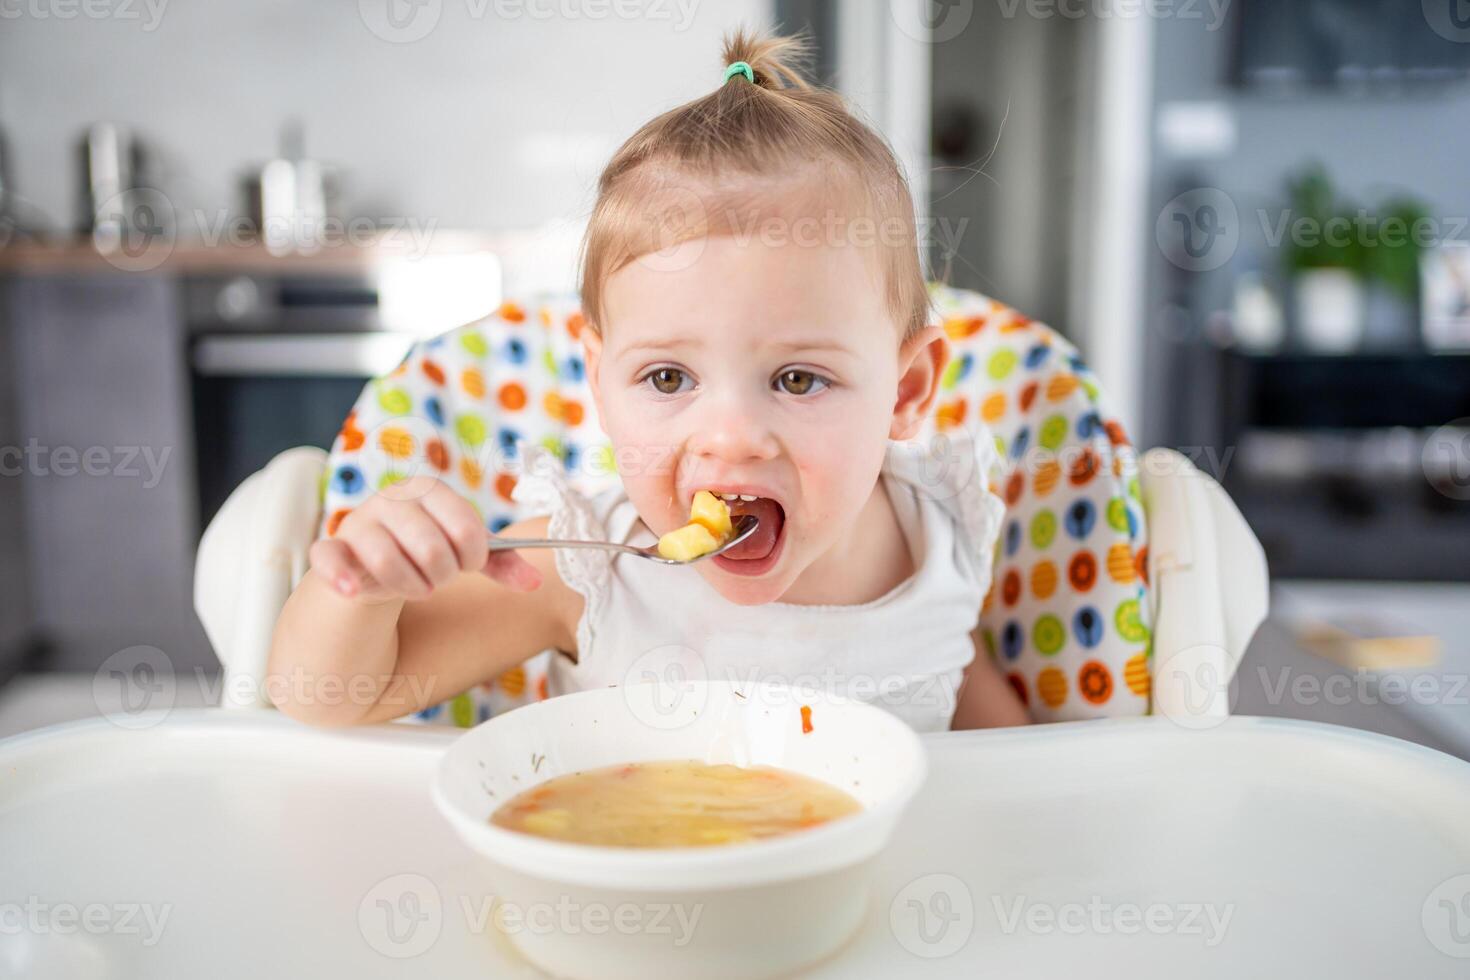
(1066, 617)
(462, 407)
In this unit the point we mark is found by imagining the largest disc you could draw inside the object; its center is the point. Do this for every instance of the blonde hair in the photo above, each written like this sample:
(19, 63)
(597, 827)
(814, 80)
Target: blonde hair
(740, 153)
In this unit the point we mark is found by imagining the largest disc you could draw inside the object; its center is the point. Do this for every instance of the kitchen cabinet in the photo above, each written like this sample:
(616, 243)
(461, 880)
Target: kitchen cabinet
(101, 419)
(17, 627)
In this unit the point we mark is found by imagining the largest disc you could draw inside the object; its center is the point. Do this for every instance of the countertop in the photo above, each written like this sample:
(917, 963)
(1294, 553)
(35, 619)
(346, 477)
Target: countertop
(346, 253)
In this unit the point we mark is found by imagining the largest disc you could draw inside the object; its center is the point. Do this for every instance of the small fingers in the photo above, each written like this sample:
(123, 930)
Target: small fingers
(385, 560)
(511, 570)
(333, 560)
(420, 537)
(460, 523)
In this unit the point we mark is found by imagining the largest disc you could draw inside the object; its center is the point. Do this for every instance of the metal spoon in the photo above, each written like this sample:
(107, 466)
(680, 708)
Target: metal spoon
(745, 526)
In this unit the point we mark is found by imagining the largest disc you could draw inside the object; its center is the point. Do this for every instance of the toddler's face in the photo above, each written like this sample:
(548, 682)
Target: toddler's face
(771, 371)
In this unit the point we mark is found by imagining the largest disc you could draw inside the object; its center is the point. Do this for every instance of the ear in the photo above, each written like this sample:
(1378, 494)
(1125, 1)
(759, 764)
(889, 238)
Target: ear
(921, 360)
(591, 359)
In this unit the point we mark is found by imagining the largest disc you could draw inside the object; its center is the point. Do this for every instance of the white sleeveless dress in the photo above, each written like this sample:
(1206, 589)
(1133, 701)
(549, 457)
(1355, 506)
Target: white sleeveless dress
(904, 651)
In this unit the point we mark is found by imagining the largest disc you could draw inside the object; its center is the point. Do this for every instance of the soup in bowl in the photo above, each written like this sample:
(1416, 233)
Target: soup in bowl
(674, 803)
(753, 810)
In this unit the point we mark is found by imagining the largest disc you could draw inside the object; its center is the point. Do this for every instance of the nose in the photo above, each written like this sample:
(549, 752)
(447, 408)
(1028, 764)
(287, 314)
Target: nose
(732, 429)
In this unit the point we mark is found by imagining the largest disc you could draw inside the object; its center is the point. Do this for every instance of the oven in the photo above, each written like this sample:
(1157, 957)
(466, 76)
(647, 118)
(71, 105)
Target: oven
(277, 361)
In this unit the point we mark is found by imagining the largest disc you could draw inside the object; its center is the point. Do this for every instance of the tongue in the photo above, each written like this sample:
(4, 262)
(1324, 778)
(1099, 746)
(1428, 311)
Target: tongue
(759, 544)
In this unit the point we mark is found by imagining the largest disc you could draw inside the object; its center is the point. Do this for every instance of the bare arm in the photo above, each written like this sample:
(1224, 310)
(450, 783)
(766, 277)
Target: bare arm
(406, 607)
(985, 699)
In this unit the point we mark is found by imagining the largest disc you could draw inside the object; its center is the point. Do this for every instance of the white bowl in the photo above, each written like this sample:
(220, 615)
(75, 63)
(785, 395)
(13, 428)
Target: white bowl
(737, 910)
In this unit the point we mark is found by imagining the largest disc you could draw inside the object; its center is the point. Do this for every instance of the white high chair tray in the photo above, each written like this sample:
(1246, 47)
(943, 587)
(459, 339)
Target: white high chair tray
(239, 844)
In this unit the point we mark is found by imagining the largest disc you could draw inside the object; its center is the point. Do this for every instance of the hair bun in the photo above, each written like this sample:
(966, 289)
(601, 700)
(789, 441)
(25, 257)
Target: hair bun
(777, 61)
(764, 141)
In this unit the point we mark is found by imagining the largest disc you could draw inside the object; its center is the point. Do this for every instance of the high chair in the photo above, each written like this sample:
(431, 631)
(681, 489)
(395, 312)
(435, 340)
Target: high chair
(1123, 585)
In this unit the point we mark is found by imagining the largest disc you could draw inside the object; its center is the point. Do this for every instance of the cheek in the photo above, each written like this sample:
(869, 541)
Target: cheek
(644, 449)
(839, 461)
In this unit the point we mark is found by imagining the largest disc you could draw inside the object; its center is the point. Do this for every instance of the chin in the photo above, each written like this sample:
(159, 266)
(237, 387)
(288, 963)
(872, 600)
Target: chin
(753, 583)
(747, 591)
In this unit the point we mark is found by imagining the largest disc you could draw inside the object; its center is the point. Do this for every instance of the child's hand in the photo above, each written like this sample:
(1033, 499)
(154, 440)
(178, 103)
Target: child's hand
(410, 539)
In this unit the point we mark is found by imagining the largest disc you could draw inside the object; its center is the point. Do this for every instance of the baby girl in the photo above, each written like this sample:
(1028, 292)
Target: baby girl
(756, 326)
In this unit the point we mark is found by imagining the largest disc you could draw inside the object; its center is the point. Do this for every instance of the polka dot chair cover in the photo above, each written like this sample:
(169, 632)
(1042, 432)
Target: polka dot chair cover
(1065, 618)
(463, 407)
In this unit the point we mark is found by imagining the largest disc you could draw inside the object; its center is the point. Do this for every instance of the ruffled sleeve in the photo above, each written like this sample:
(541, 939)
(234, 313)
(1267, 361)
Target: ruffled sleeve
(953, 470)
(543, 488)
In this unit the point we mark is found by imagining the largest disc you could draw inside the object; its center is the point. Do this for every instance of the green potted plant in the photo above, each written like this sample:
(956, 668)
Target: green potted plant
(1324, 259)
(1391, 268)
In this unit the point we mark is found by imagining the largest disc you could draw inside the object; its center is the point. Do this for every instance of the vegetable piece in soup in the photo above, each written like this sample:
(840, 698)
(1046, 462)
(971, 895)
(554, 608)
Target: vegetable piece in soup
(673, 804)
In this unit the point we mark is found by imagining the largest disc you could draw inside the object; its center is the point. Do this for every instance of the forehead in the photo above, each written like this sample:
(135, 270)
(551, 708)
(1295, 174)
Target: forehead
(748, 290)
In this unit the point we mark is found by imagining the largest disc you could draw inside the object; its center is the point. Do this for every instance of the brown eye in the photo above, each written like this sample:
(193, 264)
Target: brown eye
(667, 380)
(797, 382)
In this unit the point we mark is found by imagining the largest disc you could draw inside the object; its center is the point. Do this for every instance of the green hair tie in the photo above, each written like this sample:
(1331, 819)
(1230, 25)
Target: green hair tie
(740, 68)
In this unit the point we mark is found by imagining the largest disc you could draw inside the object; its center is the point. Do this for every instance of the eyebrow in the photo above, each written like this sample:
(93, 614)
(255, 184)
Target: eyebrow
(829, 346)
(788, 346)
(669, 343)
(643, 348)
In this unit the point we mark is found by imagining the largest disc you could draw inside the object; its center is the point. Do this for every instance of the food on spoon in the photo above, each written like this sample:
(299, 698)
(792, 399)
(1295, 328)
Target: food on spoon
(713, 513)
(676, 803)
(709, 527)
(687, 543)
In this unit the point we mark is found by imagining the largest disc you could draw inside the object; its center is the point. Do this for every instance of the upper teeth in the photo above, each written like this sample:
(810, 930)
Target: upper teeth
(747, 497)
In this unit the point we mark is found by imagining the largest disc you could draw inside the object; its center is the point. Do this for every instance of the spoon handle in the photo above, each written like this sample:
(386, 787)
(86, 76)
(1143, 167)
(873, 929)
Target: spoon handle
(515, 544)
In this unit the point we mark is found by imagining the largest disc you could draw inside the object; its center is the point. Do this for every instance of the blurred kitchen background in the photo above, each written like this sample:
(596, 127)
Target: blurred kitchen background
(218, 219)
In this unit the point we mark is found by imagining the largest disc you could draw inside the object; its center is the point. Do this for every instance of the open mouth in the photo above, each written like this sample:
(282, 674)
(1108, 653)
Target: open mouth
(757, 553)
